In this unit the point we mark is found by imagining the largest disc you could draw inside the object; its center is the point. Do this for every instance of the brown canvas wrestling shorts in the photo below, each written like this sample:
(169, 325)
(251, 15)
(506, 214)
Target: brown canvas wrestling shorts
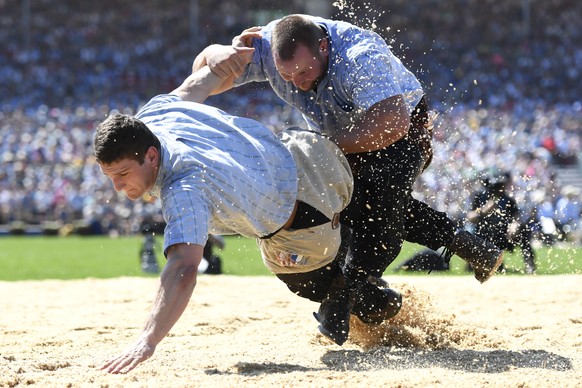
(325, 183)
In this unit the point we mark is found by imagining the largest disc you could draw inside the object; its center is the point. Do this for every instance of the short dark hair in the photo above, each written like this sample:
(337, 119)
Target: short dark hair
(123, 137)
(293, 30)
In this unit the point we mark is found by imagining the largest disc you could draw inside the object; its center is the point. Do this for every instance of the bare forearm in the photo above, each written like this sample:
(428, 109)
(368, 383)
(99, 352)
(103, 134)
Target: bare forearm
(382, 125)
(358, 140)
(177, 285)
(482, 211)
(199, 85)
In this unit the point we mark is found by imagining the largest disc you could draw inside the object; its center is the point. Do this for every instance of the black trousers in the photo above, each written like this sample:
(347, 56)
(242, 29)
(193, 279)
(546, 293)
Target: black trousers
(315, 285)
(383, 212)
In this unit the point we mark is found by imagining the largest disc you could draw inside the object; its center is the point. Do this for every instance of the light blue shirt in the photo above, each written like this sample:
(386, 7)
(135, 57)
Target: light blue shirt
(362, 71)
(219, 173)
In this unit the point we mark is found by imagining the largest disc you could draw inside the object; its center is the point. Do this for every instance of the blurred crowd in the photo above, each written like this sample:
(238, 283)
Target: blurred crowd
(504, 77)
(472, 144)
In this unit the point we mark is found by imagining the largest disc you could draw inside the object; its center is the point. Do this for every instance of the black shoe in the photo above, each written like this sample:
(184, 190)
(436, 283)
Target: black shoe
(334, 317)
(378, 282)
(484, 257)
(373, 305)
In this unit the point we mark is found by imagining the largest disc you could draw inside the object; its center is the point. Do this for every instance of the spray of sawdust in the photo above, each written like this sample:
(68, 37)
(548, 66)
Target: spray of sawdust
(419, 324)
(365, 15)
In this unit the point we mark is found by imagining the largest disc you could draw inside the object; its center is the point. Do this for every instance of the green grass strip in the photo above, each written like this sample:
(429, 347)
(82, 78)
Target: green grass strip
(39, 257)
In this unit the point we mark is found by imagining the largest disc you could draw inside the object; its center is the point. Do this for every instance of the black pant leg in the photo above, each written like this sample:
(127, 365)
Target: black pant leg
(525, 235)
(315, 285)
(428, 227)
(378, 212)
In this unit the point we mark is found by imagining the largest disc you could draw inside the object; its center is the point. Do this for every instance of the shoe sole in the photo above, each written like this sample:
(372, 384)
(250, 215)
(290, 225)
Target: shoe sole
(339, 340)
(494, 269)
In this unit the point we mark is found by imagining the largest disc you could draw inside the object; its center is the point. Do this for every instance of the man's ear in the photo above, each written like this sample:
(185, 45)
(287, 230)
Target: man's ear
(152, 156)
(323, 45)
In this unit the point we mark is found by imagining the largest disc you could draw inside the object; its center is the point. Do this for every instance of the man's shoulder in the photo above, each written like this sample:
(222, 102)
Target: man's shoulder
(155, 103)
(355, 44)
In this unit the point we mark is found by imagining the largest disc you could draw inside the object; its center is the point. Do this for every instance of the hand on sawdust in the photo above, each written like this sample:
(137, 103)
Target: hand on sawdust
(133, 356)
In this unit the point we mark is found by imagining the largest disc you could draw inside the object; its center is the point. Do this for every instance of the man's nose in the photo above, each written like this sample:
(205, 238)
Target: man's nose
(118, 184)
(298, 81)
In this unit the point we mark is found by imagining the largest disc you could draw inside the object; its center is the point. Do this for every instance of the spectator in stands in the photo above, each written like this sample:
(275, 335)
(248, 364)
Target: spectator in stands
(501, 89)
(568, 212)
(496, 217)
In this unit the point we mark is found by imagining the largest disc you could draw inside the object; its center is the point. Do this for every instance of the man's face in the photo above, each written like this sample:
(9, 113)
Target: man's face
(129, 176)
(305, 69)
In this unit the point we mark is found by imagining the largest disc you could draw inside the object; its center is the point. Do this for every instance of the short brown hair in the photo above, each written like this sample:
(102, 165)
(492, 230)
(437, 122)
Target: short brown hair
(293, 30)
(123, 137)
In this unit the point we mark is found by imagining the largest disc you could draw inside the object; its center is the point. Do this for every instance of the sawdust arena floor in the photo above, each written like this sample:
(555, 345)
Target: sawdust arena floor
(518, 331)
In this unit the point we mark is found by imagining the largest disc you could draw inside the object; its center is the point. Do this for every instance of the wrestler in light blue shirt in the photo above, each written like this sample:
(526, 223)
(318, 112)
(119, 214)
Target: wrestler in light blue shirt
(362, 71)
(219, 173)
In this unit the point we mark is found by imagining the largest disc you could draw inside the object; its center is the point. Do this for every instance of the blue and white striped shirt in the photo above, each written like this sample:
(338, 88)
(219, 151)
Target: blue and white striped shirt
(362, 71)
(219, 173)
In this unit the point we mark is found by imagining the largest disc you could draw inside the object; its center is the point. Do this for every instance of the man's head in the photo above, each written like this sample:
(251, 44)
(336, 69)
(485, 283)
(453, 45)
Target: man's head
(128, 153)
(300, 48)
(497, 181)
